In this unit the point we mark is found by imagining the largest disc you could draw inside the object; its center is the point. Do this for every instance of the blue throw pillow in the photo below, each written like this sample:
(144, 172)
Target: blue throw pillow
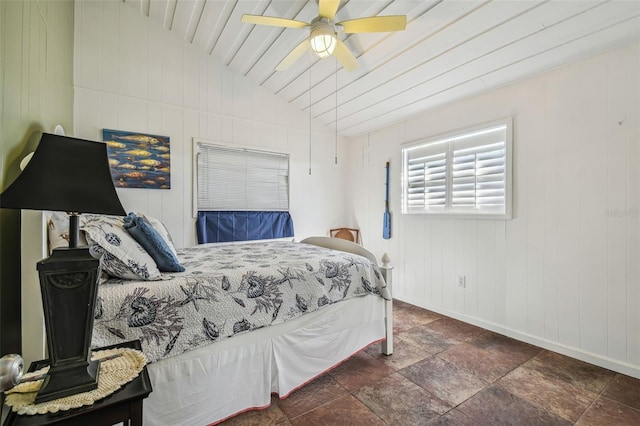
(152, 242)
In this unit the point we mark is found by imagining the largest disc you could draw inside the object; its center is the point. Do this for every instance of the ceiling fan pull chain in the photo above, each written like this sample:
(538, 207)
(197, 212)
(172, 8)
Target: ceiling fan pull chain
(336, 62)
(310, 133)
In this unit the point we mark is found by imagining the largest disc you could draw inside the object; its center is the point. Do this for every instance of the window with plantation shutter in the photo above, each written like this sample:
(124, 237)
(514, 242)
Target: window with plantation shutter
(230, 178)
(465, 173)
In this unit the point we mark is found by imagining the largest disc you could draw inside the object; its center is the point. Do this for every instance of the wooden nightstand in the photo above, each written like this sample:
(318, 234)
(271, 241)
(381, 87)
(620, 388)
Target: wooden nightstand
(124, 405)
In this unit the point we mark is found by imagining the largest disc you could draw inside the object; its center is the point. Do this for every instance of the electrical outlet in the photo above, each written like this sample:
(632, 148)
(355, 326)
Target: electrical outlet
(462, 281)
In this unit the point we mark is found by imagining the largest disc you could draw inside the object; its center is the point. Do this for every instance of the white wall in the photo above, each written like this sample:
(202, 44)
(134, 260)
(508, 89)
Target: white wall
(564, 273)
(132, 74)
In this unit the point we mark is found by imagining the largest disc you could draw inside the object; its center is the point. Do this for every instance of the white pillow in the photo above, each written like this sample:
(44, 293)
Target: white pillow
(123, 257)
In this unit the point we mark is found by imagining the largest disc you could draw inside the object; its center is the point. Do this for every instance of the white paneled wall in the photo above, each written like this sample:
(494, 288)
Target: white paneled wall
(564, 273)
(132, 74)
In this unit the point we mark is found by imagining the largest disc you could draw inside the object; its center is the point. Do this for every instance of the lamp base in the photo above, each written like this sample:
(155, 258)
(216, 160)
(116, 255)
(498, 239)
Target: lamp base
(63, 381)
(69, 286)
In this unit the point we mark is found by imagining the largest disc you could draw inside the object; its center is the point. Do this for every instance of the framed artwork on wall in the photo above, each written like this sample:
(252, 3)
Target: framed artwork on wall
(138, 160)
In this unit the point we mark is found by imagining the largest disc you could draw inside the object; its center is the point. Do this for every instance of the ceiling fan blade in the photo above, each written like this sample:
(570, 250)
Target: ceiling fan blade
(345, 57)
(273, 21)
(375, 24)
(293, 56)
(328, 8)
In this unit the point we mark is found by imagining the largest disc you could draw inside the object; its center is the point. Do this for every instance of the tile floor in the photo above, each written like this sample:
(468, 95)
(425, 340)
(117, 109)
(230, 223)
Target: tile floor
(446, 372)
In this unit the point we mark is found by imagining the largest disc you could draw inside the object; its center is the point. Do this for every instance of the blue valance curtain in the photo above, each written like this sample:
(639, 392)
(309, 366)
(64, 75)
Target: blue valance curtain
(225, 226)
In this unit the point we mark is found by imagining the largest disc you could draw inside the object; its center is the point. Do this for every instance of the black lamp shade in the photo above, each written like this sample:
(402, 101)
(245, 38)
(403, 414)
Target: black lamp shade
(65, 174)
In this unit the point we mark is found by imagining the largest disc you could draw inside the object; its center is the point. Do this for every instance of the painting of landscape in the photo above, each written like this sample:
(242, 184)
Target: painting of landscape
(138, 160)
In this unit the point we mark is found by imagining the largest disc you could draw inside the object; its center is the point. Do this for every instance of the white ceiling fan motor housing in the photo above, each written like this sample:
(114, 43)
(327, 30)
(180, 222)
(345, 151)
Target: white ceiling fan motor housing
(323, 37)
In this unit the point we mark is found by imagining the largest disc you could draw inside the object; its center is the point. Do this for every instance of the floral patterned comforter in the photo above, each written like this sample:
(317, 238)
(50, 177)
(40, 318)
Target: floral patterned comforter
(226, 290)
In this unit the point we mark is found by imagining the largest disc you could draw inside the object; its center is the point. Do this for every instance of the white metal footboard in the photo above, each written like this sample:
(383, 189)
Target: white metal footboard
(385, 267)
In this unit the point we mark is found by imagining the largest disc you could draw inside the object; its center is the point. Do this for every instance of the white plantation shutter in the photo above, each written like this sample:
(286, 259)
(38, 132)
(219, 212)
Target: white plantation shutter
(464, 173)
(426, 177)
(478, 178)
(241, 179)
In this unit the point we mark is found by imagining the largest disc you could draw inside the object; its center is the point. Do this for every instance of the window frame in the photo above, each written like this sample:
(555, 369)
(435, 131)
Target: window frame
(238, 148)
(445, 143)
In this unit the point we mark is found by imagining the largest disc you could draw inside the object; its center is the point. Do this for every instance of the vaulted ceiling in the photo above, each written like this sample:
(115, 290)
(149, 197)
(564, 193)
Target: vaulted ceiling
(450, 50)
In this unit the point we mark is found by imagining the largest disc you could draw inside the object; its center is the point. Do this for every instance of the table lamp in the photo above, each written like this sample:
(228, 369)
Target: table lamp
(70, 175)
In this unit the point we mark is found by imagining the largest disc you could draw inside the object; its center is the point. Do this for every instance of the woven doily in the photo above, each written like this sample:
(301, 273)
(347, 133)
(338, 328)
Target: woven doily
(114, 373)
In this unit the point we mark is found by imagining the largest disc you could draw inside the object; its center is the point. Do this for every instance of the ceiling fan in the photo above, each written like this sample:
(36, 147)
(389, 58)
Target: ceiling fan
(323, 32)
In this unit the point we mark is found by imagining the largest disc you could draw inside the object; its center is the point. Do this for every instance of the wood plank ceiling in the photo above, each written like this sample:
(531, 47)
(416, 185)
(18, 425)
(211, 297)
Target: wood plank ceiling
(451, 49)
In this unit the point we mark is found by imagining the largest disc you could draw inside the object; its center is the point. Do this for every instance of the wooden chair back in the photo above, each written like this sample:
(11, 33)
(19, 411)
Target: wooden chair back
(349, 234)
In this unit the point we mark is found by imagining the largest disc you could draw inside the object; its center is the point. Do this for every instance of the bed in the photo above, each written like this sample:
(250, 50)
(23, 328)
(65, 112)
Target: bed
(229, 360)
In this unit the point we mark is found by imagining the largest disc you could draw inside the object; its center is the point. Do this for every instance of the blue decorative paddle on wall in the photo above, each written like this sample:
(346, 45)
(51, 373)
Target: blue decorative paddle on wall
(386, 224)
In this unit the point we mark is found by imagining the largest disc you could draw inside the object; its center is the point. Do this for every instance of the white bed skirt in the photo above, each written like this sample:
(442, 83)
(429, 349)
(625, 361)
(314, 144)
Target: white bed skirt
(212, 383)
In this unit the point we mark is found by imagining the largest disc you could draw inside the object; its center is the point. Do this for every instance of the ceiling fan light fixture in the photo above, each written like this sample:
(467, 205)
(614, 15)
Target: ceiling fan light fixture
(323, 41)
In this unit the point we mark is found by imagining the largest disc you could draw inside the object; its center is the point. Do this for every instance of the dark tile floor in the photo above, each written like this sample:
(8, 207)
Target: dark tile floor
(446, 372)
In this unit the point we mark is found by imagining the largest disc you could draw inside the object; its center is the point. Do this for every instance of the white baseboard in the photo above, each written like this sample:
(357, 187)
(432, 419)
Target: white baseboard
(573, 352)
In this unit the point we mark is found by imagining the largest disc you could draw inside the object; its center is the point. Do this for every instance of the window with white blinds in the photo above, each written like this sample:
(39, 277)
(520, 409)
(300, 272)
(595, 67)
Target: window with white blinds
(466, 173)
(229, 178)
